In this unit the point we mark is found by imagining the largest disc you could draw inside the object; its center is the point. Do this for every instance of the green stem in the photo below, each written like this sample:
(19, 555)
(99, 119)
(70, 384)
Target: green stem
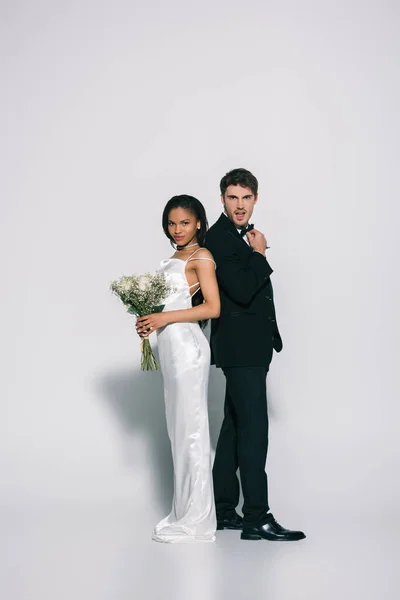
(148, 361)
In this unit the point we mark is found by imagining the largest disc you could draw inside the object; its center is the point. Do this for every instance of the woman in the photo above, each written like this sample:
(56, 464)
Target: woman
(185, 363)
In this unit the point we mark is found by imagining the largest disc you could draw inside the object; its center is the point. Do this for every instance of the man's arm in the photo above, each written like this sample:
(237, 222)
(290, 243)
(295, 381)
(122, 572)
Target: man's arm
(240, 281)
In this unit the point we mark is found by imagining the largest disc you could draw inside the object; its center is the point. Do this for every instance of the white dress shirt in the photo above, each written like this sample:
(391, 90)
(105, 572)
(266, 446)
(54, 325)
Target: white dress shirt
(244, 237)
(239, 230)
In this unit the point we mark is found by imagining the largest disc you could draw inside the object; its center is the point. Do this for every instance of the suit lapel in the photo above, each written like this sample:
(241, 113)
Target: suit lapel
(227, 224)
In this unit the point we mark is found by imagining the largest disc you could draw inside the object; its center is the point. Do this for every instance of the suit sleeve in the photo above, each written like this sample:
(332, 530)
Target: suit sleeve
(241, 281)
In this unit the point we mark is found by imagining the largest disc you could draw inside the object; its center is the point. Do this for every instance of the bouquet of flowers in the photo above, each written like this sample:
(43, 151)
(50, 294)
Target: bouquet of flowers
(143, 295)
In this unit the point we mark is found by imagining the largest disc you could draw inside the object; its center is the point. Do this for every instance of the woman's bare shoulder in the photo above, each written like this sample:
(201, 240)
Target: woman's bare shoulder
(203, 253)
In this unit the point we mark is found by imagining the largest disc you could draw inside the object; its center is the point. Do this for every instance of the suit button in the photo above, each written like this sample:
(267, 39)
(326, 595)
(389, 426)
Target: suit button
(268, 297)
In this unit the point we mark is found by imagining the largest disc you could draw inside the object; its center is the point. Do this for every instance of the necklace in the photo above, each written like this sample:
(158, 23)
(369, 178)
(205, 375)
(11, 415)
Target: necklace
(184, 247)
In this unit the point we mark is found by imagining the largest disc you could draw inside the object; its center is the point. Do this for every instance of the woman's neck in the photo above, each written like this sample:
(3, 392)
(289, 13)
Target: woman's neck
(190, 245)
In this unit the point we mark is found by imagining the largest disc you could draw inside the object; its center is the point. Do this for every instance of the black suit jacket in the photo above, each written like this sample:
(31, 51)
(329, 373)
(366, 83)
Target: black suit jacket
(246, 332)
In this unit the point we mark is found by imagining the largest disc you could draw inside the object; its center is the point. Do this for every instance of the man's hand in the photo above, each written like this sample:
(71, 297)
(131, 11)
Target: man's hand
(257, 241)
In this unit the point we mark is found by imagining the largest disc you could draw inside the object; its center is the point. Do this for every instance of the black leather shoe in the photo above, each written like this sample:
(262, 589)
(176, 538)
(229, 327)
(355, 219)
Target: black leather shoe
(272, 531)
(235, 522)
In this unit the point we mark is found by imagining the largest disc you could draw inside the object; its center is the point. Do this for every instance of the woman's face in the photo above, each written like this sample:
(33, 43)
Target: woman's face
(182, 226)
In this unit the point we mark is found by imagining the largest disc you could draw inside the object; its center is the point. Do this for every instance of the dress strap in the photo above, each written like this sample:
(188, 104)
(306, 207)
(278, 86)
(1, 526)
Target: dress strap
(200, 257)
(203, 258)
(194, 285)
(193, 253)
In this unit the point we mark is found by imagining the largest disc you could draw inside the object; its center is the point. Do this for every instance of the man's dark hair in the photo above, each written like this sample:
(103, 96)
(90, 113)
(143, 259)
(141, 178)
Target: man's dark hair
(241, 177)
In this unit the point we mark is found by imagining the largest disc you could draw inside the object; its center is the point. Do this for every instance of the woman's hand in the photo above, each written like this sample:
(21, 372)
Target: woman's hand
(149, 323)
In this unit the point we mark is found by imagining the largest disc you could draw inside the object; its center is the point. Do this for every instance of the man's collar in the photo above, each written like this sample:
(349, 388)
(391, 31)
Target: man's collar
(225, 222)
(230, 223)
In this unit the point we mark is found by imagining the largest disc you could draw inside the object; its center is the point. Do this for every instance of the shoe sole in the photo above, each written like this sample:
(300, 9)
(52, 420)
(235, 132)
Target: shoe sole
(255, 537)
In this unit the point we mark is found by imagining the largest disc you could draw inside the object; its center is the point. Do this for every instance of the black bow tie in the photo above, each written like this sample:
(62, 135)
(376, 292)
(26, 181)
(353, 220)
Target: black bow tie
(244, 230)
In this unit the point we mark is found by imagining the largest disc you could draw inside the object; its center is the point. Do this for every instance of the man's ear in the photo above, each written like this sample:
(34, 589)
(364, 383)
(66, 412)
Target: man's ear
(222, 199)
(255, 198)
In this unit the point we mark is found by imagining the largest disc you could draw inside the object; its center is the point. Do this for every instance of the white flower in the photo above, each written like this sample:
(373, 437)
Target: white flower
(125, 284)
(144, 282)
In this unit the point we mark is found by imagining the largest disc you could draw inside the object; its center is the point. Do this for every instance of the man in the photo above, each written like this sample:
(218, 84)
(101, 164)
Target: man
(242, 343)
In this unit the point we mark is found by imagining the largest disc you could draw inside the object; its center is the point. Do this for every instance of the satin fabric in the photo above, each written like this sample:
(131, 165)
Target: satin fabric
(184, 355)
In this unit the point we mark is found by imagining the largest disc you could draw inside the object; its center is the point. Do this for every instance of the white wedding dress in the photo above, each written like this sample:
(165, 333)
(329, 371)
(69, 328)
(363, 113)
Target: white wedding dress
(184, 354)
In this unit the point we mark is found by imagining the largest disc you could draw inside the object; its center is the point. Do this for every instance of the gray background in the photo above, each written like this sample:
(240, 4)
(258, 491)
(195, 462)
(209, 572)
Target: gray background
(107, 110)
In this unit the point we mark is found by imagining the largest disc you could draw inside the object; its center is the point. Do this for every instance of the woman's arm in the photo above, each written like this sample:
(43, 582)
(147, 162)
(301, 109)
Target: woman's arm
(210, 309)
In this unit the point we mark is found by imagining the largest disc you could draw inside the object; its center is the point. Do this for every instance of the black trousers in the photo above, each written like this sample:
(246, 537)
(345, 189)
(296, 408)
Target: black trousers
(243, 444)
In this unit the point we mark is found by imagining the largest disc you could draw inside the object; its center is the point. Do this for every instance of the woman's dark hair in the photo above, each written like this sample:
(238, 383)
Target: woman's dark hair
(192, 205)
(197, 209)
(241, 177)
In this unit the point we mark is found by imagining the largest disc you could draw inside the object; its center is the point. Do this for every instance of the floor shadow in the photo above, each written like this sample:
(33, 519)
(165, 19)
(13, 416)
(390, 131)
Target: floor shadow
(135, 399)
(216, 398)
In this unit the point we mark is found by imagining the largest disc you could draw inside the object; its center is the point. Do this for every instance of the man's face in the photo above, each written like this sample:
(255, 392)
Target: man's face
(239, 204)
